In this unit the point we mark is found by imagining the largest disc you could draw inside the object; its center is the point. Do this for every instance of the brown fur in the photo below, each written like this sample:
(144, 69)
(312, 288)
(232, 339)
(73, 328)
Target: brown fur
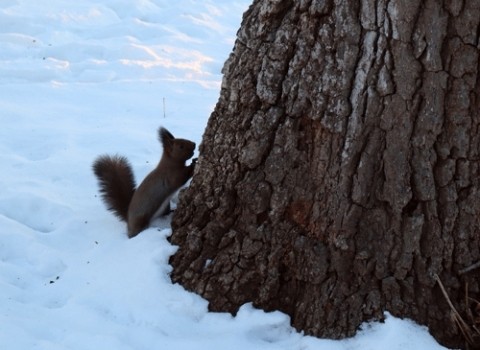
(152, 198)
(117, 183)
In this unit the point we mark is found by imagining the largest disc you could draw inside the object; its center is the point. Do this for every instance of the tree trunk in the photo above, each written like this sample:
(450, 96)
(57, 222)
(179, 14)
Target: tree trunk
(339, 172)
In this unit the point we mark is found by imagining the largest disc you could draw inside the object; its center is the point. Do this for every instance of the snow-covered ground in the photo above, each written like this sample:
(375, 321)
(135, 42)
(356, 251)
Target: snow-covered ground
(87, 77)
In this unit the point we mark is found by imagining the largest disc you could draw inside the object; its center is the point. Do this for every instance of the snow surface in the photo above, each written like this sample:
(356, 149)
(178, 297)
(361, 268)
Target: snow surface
(87, 77)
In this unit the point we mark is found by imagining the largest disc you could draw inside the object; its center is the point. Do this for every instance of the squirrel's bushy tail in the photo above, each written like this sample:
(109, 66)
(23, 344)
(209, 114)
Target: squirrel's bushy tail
(117, 183)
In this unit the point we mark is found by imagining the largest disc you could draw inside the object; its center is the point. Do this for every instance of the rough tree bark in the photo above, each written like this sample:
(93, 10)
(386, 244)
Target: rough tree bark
(339, 172)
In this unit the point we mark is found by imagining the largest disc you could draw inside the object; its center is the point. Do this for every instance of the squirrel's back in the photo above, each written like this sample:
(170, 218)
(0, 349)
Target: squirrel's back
(117, 184)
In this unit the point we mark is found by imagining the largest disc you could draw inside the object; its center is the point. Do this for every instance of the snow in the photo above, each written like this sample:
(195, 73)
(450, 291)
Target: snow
(88, 77)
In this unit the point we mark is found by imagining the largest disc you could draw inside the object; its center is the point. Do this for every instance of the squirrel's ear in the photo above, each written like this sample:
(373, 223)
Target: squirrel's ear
(165, 136)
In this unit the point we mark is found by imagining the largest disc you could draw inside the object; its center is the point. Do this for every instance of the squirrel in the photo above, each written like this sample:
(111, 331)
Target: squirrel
(138, 206)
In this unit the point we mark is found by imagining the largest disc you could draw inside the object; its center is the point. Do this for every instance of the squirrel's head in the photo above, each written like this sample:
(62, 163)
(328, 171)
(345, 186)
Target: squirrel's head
(178, 149)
